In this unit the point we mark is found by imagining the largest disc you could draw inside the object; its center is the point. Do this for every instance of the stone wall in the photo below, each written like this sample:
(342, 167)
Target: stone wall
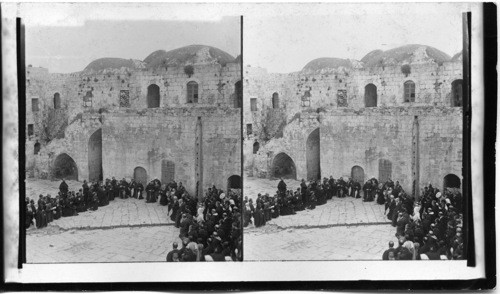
(134, 135)
(352, 134)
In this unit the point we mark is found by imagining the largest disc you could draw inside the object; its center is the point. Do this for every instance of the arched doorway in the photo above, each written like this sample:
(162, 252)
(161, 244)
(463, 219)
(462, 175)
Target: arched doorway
(313, 155)
(57, 101)
(276, 100)
(370, 95)
(451, 181)
(153, 96)
(234, 182)
(167, 171)
(384, 170)
(456, 93)
(95, 156)
(140, 175)
(65, 167)
(256, 147)
(284, 167)
(358, 174)
(238, 94)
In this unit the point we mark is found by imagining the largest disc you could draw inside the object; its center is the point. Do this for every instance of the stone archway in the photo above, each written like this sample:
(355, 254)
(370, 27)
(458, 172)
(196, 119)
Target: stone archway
(358, 174)
(234, 182)
(140, 175)
(313, 156)
(153, 96)
(65, 167)
(451, 181)
(95, 156)
(284, 167)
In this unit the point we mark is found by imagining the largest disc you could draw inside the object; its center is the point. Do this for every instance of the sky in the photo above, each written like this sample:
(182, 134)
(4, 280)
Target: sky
(287, 41)
(77, 34)
(281, 37)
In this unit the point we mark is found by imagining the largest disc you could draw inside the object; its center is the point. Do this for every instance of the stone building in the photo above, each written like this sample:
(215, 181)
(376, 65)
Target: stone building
(175, 115)
(394, 114)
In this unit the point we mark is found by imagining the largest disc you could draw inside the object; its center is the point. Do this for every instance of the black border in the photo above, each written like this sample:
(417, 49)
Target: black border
(490, 82)
(21, 88)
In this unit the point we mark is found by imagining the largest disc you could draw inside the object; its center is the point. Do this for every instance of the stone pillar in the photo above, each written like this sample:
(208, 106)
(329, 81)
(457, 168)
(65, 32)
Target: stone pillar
(199, 159)
(415, 162)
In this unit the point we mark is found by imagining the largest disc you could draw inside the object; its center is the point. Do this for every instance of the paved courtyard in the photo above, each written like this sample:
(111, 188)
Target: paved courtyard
(125, 230)
(342, 229)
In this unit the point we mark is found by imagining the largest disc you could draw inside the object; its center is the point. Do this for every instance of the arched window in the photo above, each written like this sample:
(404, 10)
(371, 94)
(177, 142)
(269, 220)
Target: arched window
(153, 96)
(276, 100)
(57, 101)
(409, 89)
(370, 95)
(456, 93)
(256, 147)
(192, 92)
(37, 147)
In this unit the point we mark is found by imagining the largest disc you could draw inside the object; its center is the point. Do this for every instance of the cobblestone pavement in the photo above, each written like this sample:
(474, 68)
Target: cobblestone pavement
(342, 229)
(147, 243)
(125, 230)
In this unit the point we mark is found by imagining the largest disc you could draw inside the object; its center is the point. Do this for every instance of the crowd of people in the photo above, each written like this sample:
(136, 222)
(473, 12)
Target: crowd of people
(430, 228)
(210, 229)
(427, 228)
(307, 196)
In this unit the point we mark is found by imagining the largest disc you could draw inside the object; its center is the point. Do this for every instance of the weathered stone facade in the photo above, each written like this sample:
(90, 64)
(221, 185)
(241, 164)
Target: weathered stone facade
(113, 120)
(366, 128)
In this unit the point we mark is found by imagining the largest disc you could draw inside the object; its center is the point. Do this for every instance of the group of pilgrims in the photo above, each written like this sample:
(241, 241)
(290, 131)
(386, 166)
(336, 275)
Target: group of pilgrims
(429, 227)
(209, 229)
(309, 195)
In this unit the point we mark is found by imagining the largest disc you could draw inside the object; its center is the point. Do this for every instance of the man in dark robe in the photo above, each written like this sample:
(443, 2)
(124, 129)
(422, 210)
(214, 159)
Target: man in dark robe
(282, 186)
(63, 187)
(139, 187)
(114, 186)
(86, 190)
(172, 252)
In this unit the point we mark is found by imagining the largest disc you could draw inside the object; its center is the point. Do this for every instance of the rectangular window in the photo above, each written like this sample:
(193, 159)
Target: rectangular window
(249, 129)
(253, 104)
(31, 130)
(409, 91)
(124, 98)
(34, 105)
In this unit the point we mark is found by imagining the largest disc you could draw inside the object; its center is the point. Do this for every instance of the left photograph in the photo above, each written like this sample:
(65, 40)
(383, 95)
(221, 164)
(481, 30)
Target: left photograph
(133, 138)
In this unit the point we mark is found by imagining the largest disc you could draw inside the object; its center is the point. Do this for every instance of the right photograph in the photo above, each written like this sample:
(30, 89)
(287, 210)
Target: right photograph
(353, 133)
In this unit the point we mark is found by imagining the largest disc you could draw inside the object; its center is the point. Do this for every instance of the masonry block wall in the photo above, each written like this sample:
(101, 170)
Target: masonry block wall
(134, 135)
(352, 134)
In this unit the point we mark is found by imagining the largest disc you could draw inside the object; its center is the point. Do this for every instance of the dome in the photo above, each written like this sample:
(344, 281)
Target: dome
(193, 54)
(457, 57)
(327, 63)
(112, 63)
(413, 53)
